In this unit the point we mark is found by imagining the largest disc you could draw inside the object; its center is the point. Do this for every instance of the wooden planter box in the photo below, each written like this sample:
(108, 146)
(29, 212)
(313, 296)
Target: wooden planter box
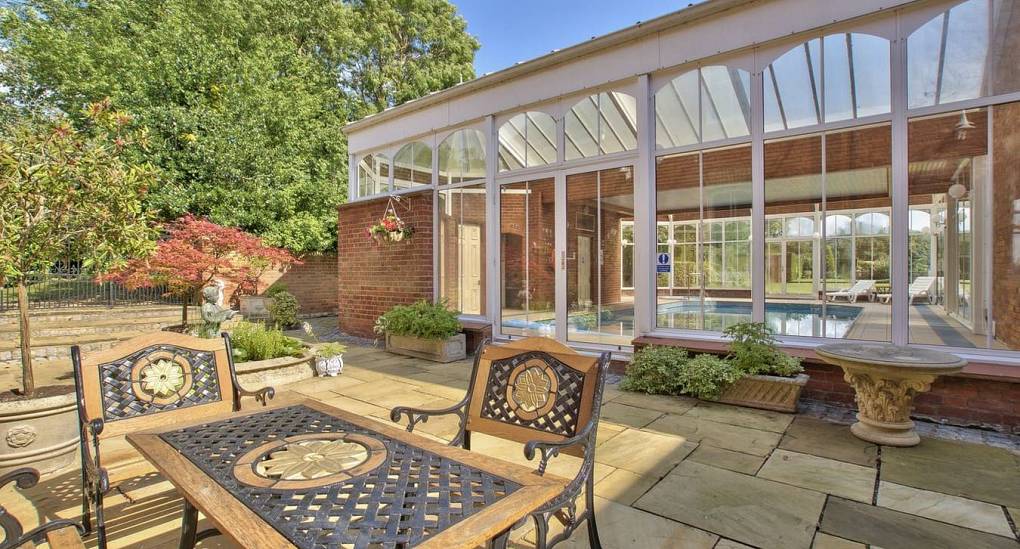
(442, 350)
(766, 392)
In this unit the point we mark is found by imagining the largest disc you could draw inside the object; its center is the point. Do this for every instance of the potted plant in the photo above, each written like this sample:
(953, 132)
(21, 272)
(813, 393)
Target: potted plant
(390, 229)
(63, 189)
(424, 330)
(771, 379)
(329, 359)
(754, 373)
(266, 356)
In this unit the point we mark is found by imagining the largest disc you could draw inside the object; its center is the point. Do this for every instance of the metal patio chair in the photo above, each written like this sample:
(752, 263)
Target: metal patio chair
(542, 393)
(58, 534)
(148, 381)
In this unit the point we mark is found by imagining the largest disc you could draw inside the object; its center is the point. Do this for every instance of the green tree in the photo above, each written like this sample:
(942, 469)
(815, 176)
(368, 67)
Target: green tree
(69, 189)
(245, 99)
(404, 49)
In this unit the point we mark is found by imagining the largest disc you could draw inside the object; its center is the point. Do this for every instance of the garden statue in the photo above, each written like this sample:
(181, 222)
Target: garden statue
(213, 314)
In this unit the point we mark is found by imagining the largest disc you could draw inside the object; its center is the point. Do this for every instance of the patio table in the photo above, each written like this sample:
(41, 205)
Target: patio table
(306, 474)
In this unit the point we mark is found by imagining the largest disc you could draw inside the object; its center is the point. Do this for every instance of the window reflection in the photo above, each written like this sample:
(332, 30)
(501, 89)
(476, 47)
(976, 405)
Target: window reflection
(603, 123)
(527, 140)
(706, 104)
(461, 248)
(412, 166)
(373, 175)
(856, 82)
(968, 51)
(462, 157)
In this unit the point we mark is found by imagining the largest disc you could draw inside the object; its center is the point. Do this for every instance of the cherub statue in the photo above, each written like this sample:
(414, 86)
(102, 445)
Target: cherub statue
(212, 313)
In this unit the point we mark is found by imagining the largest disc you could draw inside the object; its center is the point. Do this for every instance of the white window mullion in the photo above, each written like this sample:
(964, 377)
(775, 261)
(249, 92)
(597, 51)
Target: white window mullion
(757, 197)
(645, 232)
(900, 219)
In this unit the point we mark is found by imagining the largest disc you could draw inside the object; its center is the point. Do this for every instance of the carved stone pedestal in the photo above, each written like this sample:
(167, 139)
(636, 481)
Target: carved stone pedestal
(885, 379)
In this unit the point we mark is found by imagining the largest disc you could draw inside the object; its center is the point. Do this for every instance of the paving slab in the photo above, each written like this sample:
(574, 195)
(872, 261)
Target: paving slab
(764, 420)
(747, 509)
(662, 403)
(727, 459)
(607, 431)
(623, 527)
(643, 452)
(808, 435)
(724, 543)
(822, 474)
(825, 541)
(945, 508)
(887, 528)
(972, 471)
(721, 435)
(631, 416)
(624, 487)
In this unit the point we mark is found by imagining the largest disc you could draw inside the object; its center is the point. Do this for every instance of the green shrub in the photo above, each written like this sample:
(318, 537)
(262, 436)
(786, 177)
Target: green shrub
(253, 341)
(656, 369)
(284, 309)
(330, 350)
(706, 376)
(275, 289)
(423, 320)
(586, 321)
(753, 351)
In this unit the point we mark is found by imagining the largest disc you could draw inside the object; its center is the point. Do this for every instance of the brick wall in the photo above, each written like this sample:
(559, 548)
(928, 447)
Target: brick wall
(1005, 251)
(313, 283)
(374, 277)
(954, 400)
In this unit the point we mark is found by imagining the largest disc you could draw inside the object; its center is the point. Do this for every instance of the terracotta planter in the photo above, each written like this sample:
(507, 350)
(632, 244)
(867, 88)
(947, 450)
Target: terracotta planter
(437, 350)
(766, 392)
(41, 433)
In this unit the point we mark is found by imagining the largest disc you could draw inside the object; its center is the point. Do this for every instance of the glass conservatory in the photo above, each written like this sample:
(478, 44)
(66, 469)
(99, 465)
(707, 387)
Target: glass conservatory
(852, 174)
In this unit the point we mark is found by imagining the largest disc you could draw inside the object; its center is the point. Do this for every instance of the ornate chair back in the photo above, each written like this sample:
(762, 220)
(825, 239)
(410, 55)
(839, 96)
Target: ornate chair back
(534, 389)
(153, 380)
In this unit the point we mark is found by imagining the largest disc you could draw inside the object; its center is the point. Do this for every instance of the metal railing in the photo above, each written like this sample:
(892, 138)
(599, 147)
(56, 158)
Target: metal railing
(66, 286)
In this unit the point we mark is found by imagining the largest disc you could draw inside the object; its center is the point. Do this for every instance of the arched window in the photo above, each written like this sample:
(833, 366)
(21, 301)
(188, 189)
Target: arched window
(702, 105)
(526, 140)
(412, 166)
(965, 52)
(856, 83)
(800, 227)
(373, 175)
(462, 157)
(873, 223)
(837, 225)
(603, 123)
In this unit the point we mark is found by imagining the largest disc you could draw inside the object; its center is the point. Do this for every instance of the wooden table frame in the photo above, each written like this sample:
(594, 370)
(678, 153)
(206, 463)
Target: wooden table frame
(242, 525)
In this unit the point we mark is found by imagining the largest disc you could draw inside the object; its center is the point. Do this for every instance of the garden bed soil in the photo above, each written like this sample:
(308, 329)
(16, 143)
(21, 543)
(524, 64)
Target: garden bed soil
(40, 392)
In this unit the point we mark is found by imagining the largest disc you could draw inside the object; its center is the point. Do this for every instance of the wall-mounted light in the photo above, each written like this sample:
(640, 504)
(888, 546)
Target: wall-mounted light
(963, 126)
(957, 191)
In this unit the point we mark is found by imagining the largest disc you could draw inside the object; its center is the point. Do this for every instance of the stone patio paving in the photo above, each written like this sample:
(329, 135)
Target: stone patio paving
(671, 472)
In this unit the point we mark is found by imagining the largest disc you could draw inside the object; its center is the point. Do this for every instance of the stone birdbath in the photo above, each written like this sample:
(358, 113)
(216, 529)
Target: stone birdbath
(885, 378)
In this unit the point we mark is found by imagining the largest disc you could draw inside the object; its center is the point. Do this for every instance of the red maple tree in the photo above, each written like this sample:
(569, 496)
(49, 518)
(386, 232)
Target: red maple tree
(194, 253)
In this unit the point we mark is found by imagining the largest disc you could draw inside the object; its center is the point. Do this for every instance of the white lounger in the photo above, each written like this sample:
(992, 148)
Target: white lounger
(921, 287)
(864, 288)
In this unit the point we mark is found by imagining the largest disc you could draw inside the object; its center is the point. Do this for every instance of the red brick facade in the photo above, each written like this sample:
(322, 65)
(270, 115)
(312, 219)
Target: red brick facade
(313, 283)
(374, 277)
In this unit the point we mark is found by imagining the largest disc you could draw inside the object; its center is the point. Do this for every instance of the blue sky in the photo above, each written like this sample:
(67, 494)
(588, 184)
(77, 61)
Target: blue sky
(519, 30)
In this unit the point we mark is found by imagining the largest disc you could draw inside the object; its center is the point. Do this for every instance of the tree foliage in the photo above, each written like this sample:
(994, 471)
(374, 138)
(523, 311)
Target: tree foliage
(244, 99)
(66, 189)
(196, 251)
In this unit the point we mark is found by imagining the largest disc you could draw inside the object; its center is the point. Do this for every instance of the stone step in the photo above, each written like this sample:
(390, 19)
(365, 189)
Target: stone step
(52, 348)
(97, 314)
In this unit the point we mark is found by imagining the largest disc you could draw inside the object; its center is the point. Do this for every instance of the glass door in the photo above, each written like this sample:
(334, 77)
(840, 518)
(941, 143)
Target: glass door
(527, 224)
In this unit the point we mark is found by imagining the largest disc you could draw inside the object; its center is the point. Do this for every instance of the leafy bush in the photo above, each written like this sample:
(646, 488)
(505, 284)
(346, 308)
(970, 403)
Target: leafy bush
(753, 351)
(330, 350)
(275, 289)
(284, 309)
(253, 341)
(656, 370)
(423, 320)
(706, 376)
(668, 370)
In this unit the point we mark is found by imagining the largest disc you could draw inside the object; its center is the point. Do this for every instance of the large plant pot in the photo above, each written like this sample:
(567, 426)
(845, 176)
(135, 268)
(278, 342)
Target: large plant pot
(437, 350)
(41, 433)
(766, 392)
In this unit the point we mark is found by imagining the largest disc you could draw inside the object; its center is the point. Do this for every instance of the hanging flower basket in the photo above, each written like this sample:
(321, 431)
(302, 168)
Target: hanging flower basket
(390, 227)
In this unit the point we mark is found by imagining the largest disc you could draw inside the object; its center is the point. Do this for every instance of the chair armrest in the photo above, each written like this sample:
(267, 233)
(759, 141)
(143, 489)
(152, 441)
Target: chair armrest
(263, 395)
(419, 415)
(14, 536)
(552, 449)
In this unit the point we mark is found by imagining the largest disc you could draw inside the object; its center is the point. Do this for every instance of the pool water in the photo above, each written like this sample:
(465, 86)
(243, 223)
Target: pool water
(801, 319)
